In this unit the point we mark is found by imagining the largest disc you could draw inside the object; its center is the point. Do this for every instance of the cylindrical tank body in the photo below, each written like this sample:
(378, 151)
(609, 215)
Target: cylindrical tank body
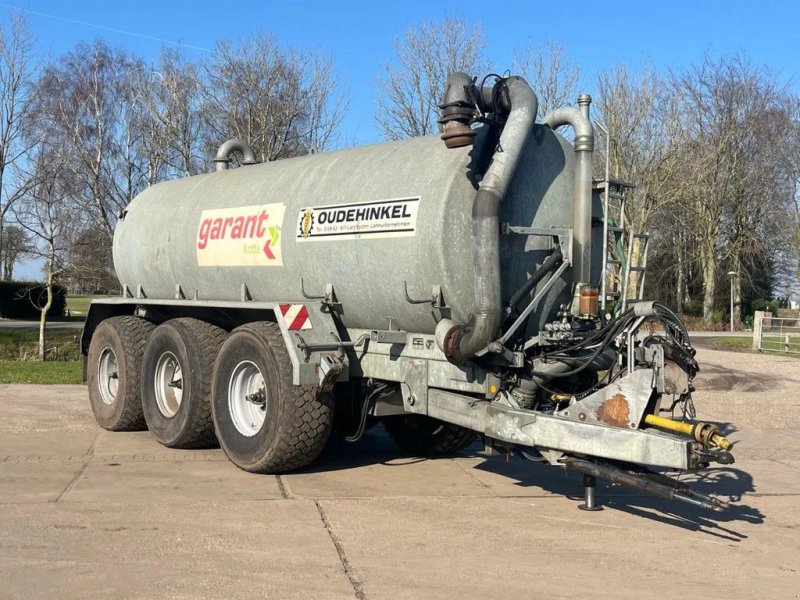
(364, 220)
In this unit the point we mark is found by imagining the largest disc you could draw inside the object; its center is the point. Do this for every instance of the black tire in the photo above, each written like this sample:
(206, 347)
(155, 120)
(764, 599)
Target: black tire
(193, 345)
(297, 420)
(125, 338)
(423, 436)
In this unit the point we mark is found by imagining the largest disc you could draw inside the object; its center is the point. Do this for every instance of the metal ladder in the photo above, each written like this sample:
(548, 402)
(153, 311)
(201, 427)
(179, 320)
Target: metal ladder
(644, 242)
(617, 270)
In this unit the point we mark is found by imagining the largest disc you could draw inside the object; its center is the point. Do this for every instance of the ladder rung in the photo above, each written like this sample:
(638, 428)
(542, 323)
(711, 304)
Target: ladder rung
(612, 294)
(612, 261)
(615, 229)
(642, 236)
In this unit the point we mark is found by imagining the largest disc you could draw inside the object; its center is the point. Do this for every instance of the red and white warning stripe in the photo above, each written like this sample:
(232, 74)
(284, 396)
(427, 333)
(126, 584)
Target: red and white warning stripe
(295, 316)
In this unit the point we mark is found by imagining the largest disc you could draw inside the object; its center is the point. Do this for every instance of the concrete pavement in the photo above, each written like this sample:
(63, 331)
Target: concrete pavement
(86, 513)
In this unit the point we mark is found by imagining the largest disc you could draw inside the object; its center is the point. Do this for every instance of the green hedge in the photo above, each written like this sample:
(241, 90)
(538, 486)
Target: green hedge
(22, 299)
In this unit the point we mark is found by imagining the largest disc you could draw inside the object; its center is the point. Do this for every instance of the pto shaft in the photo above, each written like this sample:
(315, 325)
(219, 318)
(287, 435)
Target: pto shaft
(705, 433)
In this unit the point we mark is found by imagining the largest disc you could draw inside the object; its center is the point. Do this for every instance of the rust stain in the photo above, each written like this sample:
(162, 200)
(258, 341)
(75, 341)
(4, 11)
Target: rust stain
(614, 411)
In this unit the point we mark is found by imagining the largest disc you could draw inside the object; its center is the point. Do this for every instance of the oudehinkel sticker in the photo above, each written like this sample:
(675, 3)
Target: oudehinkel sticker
(361, 220)
(241, 236)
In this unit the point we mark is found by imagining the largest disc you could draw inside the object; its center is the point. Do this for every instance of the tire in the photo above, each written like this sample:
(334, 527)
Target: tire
(423, 436)
(293, 426)
(113, 368)
(176, 382)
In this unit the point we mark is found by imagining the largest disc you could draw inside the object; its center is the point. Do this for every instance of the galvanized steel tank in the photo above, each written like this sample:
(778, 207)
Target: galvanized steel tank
(364, 220)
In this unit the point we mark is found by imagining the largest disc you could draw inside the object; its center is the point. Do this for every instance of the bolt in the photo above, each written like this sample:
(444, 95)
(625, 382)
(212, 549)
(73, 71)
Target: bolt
(411, 400)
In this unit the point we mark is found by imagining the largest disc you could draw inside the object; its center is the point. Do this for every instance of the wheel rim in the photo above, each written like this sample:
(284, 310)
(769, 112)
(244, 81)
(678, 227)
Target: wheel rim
(168, 384)
(108, 376)
(247, 398)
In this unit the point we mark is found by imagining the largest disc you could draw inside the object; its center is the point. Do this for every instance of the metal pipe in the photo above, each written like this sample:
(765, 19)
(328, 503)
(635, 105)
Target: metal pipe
(578, 119)
(223, 157)
(460, 342)
(606, 190)
(614, 474)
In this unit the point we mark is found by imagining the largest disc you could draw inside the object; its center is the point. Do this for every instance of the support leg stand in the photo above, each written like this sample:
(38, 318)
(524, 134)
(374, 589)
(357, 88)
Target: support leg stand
(590, 490)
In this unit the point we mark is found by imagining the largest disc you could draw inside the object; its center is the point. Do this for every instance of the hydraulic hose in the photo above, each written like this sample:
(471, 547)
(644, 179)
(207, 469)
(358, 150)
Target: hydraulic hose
(548, 265)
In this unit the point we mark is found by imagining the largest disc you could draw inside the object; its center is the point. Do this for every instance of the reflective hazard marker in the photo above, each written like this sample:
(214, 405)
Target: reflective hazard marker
(295, 316)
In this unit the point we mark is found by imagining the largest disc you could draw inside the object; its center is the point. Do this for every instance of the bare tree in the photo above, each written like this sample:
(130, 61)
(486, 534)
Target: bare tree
(89, 106)
(90, 267)
(551, 73)
(789, 156)
(16, 69)
(731, 185)
(283, 102)
(16, 245)
(48, 215)
(640, 120)
(410, 89)
(172, 136)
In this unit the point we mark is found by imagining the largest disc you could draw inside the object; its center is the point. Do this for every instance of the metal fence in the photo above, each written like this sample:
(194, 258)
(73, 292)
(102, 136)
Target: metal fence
(779, 335)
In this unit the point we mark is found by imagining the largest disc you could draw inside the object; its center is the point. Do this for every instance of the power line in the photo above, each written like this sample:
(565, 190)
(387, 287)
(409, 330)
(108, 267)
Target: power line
(105, 28)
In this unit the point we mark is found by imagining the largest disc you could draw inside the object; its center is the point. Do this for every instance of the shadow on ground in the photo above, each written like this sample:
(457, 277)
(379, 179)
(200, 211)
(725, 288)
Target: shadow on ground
(727, 483)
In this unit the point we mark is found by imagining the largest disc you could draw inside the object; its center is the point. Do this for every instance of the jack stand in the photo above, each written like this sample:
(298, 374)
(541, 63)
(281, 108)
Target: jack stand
(590, 488)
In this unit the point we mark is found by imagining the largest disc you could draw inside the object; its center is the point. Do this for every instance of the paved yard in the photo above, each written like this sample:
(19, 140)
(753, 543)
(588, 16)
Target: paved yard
(90, 514)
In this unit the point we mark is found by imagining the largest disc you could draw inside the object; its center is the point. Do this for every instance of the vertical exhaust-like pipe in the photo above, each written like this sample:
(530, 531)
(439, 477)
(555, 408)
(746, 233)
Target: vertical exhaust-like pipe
(579, 120)
(515, 98)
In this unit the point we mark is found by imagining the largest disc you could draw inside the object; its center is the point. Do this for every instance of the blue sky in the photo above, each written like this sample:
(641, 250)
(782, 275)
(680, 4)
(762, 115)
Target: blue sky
(359, 34)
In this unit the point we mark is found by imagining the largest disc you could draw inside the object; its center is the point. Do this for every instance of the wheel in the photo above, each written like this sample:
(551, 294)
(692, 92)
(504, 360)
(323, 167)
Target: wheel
(113, 369)
(424, 436)
(265, 423)
(176, 382)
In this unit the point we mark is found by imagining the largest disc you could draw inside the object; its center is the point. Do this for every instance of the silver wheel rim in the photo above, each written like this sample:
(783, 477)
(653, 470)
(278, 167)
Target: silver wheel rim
(108, 376)
(168, 384)
(247, 398)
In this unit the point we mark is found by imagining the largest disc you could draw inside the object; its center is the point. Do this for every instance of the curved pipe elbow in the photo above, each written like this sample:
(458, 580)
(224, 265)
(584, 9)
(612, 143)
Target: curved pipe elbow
(223, 157)
(580, 123)
(521, 117)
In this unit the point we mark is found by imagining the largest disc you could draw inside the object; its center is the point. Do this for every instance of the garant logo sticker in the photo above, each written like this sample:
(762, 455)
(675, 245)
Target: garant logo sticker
(241, 237)
(379, 219)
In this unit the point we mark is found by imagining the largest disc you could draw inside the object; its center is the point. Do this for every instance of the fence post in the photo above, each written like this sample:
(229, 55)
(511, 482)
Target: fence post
(758, 324)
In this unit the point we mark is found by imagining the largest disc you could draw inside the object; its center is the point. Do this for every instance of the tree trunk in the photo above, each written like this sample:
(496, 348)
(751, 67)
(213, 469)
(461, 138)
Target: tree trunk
(708, 260)
(681, 278)
(4, 276)
(46, 308)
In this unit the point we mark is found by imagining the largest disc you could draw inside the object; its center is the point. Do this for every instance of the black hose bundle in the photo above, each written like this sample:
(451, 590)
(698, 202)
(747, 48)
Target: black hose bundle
(677, 339)
(550, 263)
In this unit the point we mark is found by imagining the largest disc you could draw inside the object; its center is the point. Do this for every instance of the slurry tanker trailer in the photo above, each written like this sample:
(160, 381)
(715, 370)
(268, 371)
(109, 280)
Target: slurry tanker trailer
(443, 285)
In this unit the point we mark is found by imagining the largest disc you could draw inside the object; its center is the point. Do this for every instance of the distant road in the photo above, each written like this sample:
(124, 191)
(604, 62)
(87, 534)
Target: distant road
(12, 324)
(743, 334)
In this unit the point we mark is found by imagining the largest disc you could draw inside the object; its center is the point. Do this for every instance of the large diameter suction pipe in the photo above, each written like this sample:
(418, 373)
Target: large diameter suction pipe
(223, 157)
(460, 342)
(578, 119)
